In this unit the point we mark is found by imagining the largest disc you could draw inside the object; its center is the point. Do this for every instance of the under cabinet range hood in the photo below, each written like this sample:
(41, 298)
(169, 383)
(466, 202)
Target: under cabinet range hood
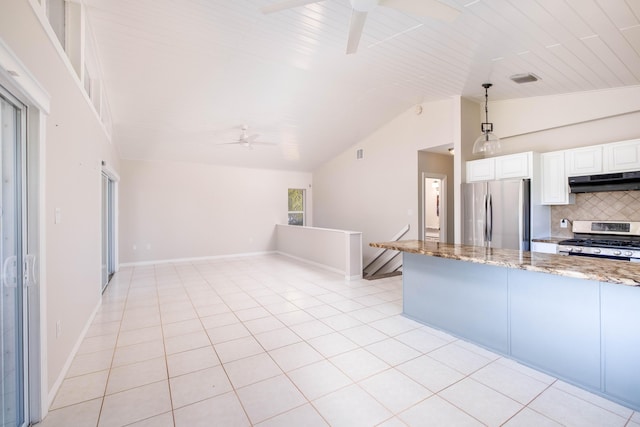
(619, 181)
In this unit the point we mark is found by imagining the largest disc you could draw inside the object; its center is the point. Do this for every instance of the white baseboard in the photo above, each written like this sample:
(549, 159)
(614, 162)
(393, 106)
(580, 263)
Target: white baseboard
(194, 259)
(67, 364)
(317, 264)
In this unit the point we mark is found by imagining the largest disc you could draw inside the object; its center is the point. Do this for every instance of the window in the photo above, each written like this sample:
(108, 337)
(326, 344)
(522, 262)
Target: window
(56, 15)
(296, 206)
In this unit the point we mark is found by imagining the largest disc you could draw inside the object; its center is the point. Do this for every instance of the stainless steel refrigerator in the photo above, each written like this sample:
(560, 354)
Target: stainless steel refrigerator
(497, 214)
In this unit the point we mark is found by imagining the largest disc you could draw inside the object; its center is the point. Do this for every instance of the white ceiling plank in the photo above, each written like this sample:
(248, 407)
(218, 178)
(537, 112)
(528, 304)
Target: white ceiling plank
(624, 60)
(613, 62)
(592, 63)
(633, 37)
(619, 13)
(634, 5)
(177, 73)
(567, 16)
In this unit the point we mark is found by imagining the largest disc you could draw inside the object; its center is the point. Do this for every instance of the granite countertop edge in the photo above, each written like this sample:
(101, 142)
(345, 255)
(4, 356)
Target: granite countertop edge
(549, 239)
(602, 270)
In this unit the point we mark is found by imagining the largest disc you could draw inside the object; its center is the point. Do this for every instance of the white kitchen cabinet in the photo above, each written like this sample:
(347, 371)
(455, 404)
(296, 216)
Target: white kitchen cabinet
(555, 188)
(622, 156)
(584, 161)
(514, 166)
(544, 247)
(502, 167)
(481, 170)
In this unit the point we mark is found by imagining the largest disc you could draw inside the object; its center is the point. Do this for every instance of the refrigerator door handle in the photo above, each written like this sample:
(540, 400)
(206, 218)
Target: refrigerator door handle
(490, 222)
(521, 224)
(485, 231)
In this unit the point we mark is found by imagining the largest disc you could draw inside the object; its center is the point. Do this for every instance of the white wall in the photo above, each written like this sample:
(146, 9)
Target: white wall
(337, 250)
(549, 123)
(75, 146)
(375, 195)
(171, 210)
(378, 195)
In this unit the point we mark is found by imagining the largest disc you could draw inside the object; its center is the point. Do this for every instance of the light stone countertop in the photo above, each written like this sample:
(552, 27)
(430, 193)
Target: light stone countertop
(603, 270)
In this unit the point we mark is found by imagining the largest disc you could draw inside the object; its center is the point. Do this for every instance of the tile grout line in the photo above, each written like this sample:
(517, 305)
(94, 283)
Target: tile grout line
(279, 284)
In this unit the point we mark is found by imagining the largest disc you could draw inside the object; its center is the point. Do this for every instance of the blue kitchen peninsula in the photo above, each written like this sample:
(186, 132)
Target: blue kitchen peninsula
(575, 318)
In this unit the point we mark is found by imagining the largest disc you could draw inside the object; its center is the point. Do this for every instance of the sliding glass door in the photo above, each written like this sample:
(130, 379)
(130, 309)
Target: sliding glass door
(13, 299)
(108, 229)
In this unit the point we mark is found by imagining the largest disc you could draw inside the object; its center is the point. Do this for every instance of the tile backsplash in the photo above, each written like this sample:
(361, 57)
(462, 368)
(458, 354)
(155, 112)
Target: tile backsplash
(605, 206)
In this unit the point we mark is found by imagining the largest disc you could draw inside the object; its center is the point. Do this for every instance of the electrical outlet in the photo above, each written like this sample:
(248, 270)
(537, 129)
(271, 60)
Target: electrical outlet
(564, 222)
(58, 328)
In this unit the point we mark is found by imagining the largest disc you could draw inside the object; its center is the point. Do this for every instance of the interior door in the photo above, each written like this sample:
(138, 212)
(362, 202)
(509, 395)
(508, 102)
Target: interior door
(13, 329)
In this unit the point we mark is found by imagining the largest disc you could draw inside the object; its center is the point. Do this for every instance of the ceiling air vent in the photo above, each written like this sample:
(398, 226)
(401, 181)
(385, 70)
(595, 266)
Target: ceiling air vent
(524, 78)
(359, 154)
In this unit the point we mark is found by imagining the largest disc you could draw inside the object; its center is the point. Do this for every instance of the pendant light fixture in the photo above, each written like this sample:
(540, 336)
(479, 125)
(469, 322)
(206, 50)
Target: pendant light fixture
(488, 142)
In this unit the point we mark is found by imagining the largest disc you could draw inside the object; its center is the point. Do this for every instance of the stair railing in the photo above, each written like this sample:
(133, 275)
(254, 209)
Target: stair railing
(380, 254)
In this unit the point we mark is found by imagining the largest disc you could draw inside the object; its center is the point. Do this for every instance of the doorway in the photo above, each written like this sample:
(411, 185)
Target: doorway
(17, 268)
(108, 229)
(435, 208)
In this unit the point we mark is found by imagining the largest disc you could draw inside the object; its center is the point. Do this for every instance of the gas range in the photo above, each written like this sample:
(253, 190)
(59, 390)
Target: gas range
(604, 239)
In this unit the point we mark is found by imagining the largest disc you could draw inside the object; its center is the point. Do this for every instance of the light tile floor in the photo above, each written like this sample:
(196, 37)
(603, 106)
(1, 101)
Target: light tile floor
(269, 341)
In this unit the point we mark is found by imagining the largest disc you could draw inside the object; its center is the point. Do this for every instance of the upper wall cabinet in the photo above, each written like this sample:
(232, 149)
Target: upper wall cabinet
(514, 166)
(622, 156)
(481, 170)
(606, 158)
(584, 161)
(555, 187)
(503, 167)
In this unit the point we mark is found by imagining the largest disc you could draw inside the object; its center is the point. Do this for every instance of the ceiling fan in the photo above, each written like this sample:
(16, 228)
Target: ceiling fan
(247, 140)
(425, 8)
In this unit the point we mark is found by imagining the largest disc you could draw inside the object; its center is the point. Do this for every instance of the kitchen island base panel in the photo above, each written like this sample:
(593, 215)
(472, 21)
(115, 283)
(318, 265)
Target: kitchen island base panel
(471, 304)
(555, 325)
(581, 331)
(621, 341)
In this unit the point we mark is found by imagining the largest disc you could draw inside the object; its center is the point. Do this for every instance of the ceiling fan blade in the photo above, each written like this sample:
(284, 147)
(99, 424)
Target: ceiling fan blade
(251, 138)
(356, 26)
(285, 4)
(425, 8)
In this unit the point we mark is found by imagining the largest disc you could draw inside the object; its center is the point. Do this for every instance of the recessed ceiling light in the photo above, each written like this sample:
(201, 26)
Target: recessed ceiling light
(525, 78)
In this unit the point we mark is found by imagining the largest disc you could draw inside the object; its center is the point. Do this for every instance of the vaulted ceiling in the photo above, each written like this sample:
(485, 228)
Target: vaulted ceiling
(183, 76)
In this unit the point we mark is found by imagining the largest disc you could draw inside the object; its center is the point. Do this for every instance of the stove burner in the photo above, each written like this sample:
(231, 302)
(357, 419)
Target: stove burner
(604, 239)
(603, 243)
